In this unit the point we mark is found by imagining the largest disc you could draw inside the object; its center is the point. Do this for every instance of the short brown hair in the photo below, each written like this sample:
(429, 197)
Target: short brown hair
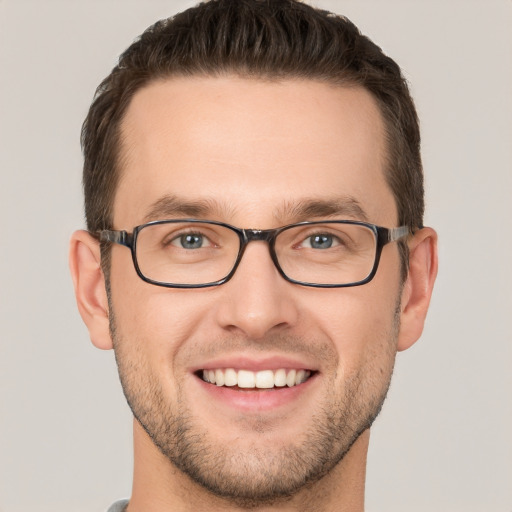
(275, 39)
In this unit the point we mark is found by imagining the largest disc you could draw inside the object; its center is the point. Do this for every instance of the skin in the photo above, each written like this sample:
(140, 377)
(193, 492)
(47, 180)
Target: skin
(281, 143)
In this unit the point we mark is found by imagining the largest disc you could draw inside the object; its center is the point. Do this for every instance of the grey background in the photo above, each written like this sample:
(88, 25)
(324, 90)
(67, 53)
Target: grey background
(443, 441)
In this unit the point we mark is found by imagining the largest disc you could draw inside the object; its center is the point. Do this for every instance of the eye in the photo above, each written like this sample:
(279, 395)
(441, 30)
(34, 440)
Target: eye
(190, 241)
(320, 241)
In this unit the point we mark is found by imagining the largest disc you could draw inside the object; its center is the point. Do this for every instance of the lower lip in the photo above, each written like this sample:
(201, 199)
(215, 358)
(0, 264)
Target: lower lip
(256, 400)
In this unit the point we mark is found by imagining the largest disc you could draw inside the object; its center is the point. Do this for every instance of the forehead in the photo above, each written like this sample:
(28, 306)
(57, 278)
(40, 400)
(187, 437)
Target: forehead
(251, 148)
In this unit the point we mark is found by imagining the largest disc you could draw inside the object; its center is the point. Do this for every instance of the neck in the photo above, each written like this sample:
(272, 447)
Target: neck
(158, 486)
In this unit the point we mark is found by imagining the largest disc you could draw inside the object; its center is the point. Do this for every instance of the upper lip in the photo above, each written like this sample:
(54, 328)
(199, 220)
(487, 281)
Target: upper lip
(255, 364)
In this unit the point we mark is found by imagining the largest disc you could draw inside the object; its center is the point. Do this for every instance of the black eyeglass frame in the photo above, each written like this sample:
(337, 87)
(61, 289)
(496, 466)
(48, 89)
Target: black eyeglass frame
(382, 235)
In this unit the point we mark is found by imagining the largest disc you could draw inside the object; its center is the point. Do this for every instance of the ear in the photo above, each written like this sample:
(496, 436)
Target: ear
(418, 286)
(89, 283)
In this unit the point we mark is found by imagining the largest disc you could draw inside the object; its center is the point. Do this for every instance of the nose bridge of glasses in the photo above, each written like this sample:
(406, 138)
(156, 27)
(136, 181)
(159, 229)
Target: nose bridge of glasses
(258, 235)
(262, 235)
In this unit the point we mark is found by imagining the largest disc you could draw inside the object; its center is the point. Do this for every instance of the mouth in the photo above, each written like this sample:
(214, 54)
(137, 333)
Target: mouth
(263, 379)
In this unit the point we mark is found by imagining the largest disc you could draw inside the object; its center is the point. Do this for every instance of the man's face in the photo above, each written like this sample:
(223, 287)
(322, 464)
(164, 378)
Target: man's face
(254, 154)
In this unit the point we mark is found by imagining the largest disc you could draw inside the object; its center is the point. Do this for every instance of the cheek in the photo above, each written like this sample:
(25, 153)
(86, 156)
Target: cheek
(362, 325)
(155, 321)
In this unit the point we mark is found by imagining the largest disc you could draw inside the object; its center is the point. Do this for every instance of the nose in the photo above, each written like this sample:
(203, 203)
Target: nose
(257, 299)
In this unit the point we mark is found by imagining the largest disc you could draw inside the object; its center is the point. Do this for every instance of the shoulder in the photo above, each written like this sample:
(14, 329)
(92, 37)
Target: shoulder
(118, 506)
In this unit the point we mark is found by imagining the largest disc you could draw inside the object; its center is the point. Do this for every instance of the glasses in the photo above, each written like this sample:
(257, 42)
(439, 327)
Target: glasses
(191, 253)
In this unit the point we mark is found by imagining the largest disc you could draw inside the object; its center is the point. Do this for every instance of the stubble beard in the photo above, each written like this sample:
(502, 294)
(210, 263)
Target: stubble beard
(260, 474)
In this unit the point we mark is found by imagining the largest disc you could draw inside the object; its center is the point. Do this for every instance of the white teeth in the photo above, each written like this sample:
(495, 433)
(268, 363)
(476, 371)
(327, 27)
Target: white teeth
(280, 378)
(246, 379)
(290, 378)
(230, 377)
(299, 378)
(219, 377)
(264, 379)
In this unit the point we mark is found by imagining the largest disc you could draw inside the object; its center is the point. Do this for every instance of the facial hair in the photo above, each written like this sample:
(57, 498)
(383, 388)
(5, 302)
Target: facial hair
(259, 473)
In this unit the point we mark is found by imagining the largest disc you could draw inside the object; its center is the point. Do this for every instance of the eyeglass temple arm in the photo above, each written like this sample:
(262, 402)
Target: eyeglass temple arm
(395, 234)
(116, 237)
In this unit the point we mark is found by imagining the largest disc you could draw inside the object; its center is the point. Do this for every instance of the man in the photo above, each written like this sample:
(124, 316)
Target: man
(255, 253)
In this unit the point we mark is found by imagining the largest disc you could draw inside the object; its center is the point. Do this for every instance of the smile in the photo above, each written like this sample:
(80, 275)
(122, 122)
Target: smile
(264, 379)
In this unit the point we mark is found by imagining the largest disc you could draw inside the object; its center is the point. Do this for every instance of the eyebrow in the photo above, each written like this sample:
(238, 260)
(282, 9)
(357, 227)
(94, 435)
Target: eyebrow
(307, 209)
(170, 206)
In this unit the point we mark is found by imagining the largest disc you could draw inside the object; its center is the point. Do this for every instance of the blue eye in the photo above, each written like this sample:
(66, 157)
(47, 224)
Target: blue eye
(189, 241)
(320, 241)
